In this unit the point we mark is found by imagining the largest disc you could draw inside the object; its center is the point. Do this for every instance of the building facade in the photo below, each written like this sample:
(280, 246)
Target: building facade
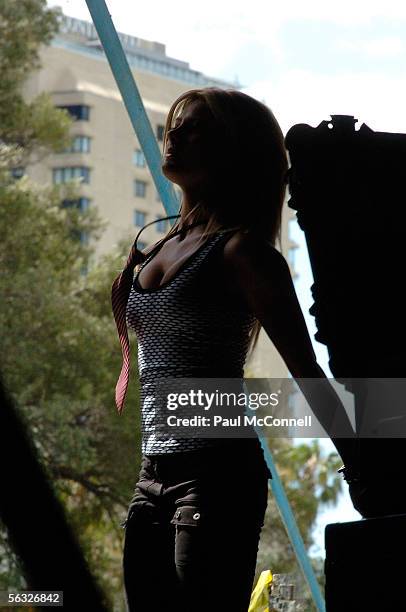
(105, 154)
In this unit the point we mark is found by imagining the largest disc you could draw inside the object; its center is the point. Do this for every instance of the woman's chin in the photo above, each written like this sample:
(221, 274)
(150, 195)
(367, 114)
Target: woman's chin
(170, 160)
(170, 169)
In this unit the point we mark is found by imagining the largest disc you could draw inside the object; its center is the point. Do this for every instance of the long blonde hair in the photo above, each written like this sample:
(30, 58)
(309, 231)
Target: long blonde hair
(249, 191)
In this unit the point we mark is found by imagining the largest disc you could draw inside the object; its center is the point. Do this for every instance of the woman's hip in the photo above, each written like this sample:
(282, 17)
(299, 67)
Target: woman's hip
(235, 478)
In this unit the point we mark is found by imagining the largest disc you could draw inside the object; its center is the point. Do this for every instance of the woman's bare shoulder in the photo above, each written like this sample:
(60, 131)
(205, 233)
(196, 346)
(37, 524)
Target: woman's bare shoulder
(245, 248)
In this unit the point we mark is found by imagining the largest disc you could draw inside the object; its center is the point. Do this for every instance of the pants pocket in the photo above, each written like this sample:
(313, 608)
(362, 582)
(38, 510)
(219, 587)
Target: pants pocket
(142, 509)
(188, 521)
(146, 482)
(187, 515)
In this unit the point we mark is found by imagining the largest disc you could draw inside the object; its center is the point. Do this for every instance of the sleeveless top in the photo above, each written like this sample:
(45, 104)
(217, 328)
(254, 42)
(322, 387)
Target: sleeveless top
(186, 328)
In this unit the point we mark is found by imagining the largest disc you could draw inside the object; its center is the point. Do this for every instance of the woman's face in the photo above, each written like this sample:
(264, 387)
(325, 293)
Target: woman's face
(189, 156)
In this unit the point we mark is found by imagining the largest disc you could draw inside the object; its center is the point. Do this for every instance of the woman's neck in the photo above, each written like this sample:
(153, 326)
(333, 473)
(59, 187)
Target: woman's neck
(192, 202)
(186, 218)
(191, 199)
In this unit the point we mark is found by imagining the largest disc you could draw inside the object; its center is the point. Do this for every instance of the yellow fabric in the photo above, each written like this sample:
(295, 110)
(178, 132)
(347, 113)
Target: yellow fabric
(260, 595)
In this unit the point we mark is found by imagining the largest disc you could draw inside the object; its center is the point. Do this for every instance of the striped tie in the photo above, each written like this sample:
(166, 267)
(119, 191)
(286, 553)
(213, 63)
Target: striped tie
(120, 291)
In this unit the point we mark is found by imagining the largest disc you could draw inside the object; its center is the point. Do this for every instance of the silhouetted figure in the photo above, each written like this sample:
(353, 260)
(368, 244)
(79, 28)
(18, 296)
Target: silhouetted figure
(347, 188)
(196, 305)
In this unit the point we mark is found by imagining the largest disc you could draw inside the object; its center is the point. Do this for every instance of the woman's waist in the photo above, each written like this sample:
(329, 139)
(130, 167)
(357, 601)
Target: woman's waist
(227, 454)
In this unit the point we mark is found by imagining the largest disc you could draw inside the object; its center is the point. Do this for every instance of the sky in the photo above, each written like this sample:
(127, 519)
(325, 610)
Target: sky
(306, 61)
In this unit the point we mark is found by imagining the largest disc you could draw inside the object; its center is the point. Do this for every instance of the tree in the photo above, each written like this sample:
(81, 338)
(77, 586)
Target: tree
(61, 356)
(36, 125)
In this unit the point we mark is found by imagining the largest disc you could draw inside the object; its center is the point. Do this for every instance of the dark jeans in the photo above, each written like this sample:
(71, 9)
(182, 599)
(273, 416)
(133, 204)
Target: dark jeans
(193, 528)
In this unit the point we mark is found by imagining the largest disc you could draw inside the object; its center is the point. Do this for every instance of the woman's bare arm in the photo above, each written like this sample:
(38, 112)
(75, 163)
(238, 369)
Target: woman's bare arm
(262, 275)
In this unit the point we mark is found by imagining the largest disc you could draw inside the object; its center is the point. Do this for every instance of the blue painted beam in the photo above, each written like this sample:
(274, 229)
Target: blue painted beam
(133, 102)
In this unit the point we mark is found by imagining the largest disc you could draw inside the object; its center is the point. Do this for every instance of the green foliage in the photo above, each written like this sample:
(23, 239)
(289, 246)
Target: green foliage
(24, 26)
(61, 360)
(36, 125)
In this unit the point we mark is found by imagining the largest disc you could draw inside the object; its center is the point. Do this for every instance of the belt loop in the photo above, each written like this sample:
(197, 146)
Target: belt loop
(155, 462)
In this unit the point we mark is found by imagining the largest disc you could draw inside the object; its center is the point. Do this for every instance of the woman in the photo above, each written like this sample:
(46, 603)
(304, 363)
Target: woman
(197, 305)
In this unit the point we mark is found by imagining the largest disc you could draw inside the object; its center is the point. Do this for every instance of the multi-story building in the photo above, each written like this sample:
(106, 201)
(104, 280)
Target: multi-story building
(105, 152)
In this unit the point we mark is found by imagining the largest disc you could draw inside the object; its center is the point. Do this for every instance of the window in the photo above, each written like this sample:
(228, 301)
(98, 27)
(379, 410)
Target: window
(84, 237)
(140, 188)
(139, 218)
(79, 144)
(63, 175)
(81, 203)
(80, 112)
(161, 225)
(141, 245)
(139, 159)
(80, 235)
(18, 172)
(160, 132)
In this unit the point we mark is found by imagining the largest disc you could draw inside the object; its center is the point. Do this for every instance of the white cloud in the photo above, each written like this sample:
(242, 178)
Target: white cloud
(387, 46)
(301, 96)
